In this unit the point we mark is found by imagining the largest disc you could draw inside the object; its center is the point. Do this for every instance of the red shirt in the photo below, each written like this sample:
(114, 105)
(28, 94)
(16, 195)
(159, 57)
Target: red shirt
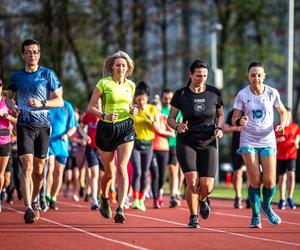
(91, 121)
(287, 149)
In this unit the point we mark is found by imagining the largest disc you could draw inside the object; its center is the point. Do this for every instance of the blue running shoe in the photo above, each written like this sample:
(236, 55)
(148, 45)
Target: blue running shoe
(255, 222)
(281, 204)
(272, 217)
(291, 203)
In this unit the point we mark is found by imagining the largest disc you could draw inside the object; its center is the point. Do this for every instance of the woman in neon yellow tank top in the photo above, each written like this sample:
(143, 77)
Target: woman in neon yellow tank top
(112, 103)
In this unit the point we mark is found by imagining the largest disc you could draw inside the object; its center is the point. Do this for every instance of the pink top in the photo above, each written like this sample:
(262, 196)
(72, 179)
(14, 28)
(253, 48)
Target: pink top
(4, 123)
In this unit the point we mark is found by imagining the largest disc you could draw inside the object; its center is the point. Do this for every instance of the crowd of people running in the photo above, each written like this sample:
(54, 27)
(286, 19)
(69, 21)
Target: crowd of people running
(119, 149)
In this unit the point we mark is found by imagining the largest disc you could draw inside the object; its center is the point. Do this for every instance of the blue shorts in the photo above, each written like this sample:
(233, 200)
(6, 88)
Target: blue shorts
(263, 152)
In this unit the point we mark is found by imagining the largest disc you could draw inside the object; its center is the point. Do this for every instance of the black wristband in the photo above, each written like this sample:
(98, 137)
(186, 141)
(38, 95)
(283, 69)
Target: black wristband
(238, 122)
(176, 127)
(44, 103)
(102, 116)
(219, 128)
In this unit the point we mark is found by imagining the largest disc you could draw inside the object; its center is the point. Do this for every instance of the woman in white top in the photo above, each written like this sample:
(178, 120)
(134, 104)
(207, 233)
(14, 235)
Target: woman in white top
(257, 141)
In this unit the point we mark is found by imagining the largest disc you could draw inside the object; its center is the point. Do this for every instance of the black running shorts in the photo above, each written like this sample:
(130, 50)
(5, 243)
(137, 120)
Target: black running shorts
(110, 135)
(202, 161)
(5, 149)
(33, 140)
(286, 165)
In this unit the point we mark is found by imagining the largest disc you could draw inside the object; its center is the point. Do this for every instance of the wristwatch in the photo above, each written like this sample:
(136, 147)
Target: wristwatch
(102, 116)
(44, 102)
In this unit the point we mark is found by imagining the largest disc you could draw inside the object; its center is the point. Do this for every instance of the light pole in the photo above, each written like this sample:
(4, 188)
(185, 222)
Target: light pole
(217, 73)
(217, 78)
(290, 55)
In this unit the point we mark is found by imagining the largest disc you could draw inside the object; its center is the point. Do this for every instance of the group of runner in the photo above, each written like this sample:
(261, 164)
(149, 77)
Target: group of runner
(121, 128)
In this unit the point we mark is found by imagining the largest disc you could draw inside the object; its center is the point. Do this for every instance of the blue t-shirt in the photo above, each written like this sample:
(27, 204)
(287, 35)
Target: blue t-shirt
(63, 119)
(38, 85)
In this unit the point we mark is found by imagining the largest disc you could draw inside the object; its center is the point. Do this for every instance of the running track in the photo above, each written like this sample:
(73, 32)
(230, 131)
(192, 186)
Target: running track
(75, 226)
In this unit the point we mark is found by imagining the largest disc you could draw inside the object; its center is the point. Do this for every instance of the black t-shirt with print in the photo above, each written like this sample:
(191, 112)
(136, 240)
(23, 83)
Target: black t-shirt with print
(199, 110)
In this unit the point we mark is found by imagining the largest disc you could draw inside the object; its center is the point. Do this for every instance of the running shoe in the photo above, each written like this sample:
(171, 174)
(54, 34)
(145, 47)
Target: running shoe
(36, 210)
(174, 202)
(128, 202)
(272, 217)
(291, 203)
(52, 205)
(81, 192)
(193, 223)
(136, 204)
(156, 203)
(204, 209)
(142, 206)
(238, 203)
(119, 217)
(29, 215)
(87, 197)
(255, 222)
(105, 209)
(95, 205)
(43, 204)
(75, 197)
(281, 204)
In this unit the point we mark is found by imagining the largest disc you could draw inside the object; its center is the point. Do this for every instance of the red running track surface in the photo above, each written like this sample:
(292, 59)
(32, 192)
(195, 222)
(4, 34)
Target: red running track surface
(75, 226)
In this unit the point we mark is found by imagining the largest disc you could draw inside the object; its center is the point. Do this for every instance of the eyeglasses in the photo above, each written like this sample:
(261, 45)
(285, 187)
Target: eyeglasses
(31, 52)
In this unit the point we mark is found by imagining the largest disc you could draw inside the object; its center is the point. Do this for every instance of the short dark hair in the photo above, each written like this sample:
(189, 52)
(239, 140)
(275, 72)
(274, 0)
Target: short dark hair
(142, 89)
(29, 42)
(256, 64)
(165, 91)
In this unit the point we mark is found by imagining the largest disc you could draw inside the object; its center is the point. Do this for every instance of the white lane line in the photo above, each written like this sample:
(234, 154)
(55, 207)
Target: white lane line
(218, 231)
(85, 232)
(246, 217)
(204, 228)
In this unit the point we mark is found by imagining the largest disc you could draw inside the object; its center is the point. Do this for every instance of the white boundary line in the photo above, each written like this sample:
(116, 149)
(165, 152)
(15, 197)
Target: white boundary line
(85, 232)
(246, 217)
(204, 228)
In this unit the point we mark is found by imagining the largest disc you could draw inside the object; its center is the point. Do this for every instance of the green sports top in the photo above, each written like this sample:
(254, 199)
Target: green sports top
(165, 111)
(116, 97)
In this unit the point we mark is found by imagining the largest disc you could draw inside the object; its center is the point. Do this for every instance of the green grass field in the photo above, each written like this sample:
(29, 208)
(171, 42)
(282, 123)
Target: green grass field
(222, 191)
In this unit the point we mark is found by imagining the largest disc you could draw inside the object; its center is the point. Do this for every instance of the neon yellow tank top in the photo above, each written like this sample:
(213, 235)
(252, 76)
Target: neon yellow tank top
(116, 97)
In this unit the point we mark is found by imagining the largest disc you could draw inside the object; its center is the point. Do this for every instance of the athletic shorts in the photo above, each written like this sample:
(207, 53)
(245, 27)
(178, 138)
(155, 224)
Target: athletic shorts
(110, 135)
(172, 156)
(33, 140)
(5, 149)
(203, 161)
(286, 165)
(237, 161)
(263, 152)
(9, 166)
(71, 163)
(93, 158)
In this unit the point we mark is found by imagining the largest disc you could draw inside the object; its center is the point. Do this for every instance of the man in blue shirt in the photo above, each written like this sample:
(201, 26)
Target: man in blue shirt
(65, 126)
(37, 89)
